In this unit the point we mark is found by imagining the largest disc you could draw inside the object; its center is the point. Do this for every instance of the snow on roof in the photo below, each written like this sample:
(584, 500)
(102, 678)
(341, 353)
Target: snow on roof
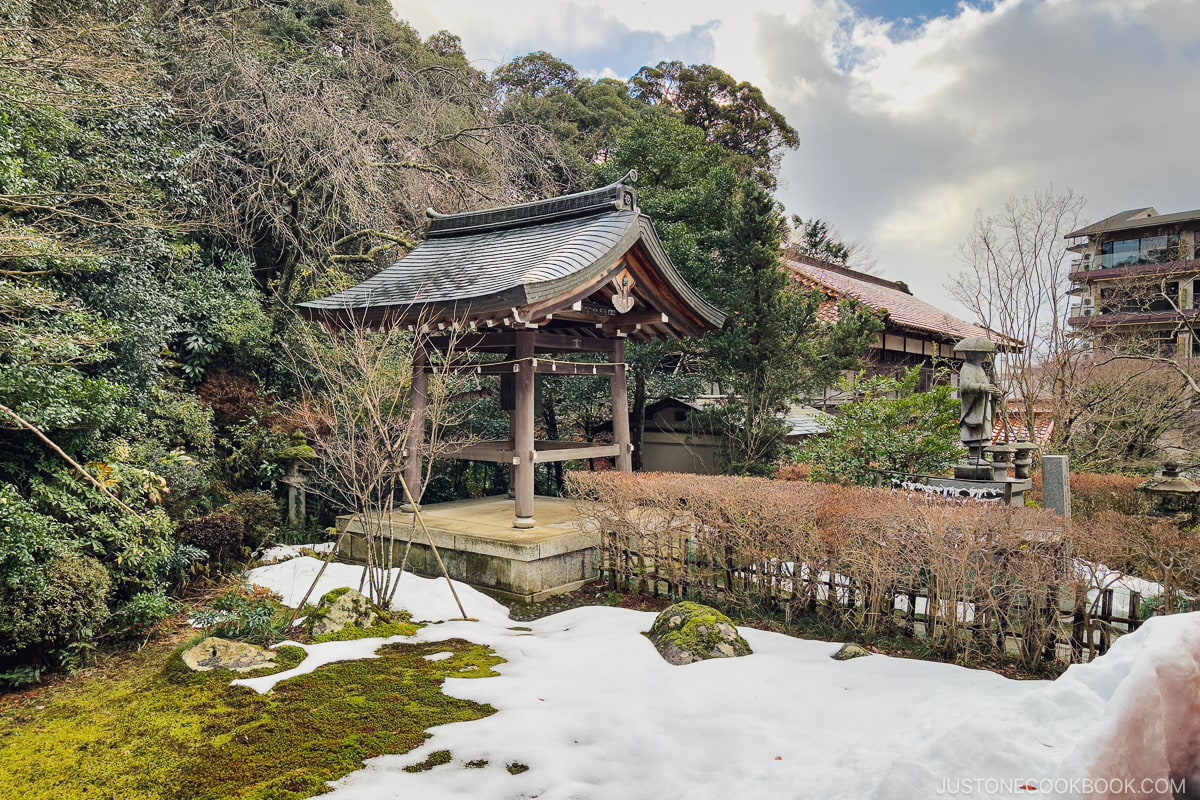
(903, 309)
(805, 420)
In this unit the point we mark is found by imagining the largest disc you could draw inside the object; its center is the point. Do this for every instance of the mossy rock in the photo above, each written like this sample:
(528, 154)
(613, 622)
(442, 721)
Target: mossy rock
(344, 608)
(217, 653)
(688, 632)
(849, 651)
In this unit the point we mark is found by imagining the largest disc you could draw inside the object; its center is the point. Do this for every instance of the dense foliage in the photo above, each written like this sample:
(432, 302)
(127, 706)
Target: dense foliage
(888, 427)
(175, 176)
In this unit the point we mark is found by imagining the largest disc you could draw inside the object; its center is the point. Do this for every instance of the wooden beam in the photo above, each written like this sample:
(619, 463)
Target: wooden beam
(620, 408)
(502, 341)
(642, 318)
(502, 452)
(580, 452)
(497, 452)
(523, 431)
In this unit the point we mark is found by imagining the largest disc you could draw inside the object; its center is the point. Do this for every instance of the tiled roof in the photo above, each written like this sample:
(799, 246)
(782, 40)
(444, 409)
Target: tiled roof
(511, 257)
(495, 267)
(805, 420)
(1043, 422)
(903, 310)
(1043, 426)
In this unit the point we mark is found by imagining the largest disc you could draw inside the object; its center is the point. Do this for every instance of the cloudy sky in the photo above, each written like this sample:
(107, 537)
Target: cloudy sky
(912, 114)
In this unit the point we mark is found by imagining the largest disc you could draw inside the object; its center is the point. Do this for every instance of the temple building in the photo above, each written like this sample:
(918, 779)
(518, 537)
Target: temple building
(583, 273)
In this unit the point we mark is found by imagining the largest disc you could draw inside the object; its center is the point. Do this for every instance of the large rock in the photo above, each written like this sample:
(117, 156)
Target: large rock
(688, 632)
(344, 608)
(217, 653)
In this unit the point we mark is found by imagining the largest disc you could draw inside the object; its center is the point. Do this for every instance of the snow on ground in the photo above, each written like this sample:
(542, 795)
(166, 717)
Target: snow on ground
(282, 552)
(588, 705)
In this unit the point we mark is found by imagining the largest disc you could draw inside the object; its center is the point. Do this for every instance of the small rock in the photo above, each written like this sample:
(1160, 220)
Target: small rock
(689, 632)
(849, 651)
(217, 653)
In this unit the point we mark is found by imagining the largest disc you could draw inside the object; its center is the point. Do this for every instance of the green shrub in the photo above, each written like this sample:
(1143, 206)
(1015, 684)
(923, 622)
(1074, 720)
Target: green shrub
(53, 612)
(889, 427)
(260, 515)
(221, 535)
(136, 551)
(52, 599)
(137, 618)
(253, 618)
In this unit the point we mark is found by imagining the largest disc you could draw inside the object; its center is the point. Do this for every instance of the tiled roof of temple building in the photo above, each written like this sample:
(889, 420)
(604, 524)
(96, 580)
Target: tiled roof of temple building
(893, 297)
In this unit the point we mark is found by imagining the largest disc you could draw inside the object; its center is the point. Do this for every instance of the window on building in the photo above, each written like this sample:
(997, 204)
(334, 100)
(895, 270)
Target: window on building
(1163, 343)
(1165, 299)
(1142, 250)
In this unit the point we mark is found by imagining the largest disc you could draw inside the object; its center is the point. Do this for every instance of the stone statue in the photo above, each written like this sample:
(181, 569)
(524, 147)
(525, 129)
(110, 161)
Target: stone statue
(978, 396)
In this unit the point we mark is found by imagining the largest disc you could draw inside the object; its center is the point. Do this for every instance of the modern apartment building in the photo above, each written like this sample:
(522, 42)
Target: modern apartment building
(1136, 282)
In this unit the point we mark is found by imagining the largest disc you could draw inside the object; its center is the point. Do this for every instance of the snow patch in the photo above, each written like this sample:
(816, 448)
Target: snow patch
(585, 701)
(283, 552)
(427, 599)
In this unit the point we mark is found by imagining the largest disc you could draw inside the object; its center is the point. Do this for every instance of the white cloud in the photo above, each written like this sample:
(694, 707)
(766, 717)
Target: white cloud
(906, 130)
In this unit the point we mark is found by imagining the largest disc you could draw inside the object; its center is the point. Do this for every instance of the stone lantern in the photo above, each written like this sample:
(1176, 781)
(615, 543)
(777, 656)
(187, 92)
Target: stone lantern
(1023, 459)
(295, 457)
(1172, 494)
(1002, 456)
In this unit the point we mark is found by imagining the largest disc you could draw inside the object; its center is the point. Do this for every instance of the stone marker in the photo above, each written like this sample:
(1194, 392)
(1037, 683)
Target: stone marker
(688, 632)
(217, 653)
(1056, 485)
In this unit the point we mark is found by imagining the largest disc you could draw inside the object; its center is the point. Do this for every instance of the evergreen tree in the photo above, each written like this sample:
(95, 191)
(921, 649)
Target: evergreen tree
(774, 348)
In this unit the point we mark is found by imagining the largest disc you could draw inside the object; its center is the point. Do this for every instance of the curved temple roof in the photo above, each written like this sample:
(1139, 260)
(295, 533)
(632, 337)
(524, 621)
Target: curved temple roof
(530, 263)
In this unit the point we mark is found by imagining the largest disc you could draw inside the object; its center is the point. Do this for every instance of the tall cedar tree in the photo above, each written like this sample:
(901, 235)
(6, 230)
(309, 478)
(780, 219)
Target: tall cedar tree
(774, 348)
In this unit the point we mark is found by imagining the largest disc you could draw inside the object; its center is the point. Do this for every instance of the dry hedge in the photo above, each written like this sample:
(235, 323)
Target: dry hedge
(1093, 494)
(971, 576)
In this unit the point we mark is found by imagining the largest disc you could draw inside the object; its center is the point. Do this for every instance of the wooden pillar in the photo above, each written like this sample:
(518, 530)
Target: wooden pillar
(523, 432)
(620, 408)
(416, 434)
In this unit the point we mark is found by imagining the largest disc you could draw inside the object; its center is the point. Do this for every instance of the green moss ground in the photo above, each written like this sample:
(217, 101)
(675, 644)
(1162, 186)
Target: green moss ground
(143, 726)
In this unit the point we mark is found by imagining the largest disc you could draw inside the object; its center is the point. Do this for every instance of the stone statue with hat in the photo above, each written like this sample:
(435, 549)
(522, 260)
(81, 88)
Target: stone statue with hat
(978, 396)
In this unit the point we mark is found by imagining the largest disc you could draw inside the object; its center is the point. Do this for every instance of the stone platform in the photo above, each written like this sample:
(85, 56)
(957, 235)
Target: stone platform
(480, 546)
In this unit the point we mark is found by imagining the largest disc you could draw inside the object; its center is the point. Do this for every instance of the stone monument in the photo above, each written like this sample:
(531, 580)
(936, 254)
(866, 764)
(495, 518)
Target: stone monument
(978, 396)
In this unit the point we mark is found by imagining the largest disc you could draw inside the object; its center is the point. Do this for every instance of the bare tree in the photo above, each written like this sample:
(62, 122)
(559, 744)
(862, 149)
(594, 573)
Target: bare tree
(1016, 282)
(1119, 414)
(331, 150)
(356, 401)
(1128, 398)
